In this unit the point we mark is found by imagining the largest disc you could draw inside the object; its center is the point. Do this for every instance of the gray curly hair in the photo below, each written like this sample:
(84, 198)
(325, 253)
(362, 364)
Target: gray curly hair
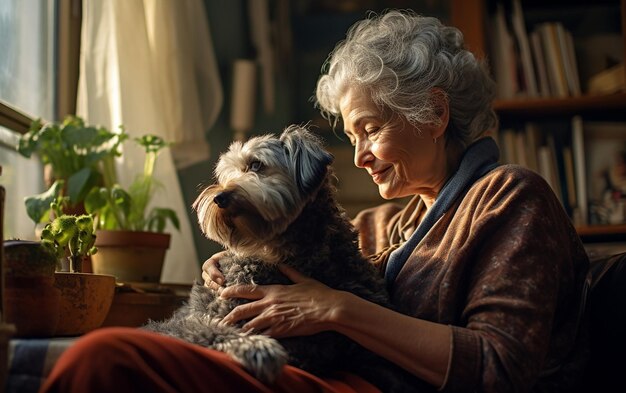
(399, 57)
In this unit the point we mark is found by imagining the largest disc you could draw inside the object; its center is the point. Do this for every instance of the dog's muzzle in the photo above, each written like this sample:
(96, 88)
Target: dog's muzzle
(222, 199)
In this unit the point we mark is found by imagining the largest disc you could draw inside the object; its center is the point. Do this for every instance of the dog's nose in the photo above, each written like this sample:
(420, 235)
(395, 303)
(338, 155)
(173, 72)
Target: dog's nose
(222, 199)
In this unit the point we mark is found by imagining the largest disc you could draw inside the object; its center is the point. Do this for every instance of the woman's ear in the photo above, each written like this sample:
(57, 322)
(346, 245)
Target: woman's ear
(442, 110)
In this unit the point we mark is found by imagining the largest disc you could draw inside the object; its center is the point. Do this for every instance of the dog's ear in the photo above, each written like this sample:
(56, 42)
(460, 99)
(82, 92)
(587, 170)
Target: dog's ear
(308, 158)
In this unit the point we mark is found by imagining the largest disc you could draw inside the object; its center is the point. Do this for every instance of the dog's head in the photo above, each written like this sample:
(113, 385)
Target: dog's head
(261, 187)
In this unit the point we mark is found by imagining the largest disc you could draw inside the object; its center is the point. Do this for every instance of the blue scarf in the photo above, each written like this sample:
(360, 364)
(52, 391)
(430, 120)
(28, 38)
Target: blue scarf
(479, 158)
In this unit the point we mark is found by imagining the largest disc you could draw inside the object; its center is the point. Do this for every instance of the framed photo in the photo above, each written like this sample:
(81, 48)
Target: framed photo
(605, 153)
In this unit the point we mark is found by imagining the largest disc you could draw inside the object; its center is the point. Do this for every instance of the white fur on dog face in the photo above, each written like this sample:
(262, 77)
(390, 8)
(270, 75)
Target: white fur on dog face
(268, 181)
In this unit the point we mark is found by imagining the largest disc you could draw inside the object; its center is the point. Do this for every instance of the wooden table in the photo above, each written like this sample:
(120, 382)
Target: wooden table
(135, 304)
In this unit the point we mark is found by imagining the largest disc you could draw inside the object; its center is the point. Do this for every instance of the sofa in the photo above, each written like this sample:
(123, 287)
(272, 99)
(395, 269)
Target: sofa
(606, 307)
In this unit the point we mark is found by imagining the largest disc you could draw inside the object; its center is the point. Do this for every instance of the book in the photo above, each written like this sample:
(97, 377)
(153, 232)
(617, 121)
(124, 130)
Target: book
(573, 62)
(568, 58)
(521, 154)
(543, 84)
(558, 174)
(553, 58)
(521, 36)
(570, 178)
(505, 59)
(547, 169)
(508, 146)
(533, 139)
(580, 169)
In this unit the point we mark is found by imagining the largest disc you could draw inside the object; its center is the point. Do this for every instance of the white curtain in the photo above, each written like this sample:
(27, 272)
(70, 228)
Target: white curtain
(149, 65)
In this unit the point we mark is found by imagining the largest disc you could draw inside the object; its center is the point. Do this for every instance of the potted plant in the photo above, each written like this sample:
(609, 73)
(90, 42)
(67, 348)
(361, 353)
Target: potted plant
(29, 288)
(71, 237)
(85, 297)
(131, 236)
(81, 159)
(77, 157)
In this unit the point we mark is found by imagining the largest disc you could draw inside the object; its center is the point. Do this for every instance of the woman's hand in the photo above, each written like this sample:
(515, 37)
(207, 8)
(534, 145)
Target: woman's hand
(211, 274)
(303, 308)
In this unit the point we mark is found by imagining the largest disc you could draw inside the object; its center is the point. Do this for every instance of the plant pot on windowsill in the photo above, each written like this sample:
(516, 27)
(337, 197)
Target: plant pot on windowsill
(31, 299)
(130, 256)
(84, 303)
(85, 298)
(131, 236)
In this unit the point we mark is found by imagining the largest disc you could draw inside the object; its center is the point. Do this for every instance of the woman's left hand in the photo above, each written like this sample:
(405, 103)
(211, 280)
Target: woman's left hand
(303, 308)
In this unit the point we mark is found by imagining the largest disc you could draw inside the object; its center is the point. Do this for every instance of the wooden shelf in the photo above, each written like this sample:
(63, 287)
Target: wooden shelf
(599, 230)
(561, 106)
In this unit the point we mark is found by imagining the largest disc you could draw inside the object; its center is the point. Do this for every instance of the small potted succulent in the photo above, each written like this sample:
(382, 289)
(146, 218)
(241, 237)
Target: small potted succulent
(71, 237)
(85, 298)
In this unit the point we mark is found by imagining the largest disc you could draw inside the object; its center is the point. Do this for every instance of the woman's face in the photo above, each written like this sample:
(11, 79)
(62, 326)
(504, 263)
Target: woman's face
(402, 159)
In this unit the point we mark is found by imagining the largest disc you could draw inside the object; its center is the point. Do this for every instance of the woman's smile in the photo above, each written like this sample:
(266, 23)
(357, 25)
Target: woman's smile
(381, 175)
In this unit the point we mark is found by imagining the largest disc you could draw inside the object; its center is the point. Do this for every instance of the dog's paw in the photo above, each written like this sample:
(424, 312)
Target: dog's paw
(262, 356)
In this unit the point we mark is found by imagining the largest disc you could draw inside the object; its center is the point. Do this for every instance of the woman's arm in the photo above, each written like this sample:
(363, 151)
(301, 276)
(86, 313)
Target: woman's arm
(308, 307)
(421, 347)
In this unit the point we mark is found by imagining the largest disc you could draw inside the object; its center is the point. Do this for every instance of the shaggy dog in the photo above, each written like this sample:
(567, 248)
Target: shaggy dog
(274, 202)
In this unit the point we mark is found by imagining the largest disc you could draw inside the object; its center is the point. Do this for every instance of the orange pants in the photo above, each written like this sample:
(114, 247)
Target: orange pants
(133, 360)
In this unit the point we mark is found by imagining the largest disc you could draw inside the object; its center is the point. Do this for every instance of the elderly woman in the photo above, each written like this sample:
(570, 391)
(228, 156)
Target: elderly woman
(483, 263)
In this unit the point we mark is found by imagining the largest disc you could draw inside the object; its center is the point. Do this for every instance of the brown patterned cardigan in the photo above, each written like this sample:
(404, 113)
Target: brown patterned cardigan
(505, 269)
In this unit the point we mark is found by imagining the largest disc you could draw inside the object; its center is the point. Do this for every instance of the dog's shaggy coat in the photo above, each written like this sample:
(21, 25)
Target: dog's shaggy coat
(274, 202)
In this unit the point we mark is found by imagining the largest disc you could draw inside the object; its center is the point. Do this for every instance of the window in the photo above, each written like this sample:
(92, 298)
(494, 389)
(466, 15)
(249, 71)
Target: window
(28, 43)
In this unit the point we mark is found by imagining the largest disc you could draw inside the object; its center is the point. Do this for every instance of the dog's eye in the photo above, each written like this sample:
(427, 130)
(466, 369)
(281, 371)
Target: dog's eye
(255, 166)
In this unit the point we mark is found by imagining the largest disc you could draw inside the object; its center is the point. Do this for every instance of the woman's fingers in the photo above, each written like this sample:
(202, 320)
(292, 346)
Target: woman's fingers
(281, 310)
(255, 308)
(279, 324)
(246, 310)
(211, 274)
(209, 283)
(243, 291)
(276, 318)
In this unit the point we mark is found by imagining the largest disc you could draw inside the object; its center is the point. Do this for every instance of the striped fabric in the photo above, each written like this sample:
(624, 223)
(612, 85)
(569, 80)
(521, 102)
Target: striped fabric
(30, 362)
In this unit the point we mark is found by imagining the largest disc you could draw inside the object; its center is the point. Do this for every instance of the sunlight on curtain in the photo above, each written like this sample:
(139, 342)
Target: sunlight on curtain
(146, 64)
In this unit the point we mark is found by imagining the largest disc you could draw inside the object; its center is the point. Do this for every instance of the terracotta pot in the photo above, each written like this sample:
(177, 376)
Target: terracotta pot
(31, 300)
(130, 256)
(84, 303)
(32, 305)
(25, 258)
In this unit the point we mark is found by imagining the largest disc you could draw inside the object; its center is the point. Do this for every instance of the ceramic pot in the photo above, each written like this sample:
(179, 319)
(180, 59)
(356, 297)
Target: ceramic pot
(32, 305)
(84, 302)
(25, 258)
(31, 300)
(130, 256)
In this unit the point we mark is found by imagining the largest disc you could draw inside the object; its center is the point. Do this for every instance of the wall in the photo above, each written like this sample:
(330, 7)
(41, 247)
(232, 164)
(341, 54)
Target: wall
(227, 22)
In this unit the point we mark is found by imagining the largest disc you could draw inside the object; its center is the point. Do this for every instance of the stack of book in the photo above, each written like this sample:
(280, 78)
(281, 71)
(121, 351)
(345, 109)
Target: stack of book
(583, 162)
(541, 63)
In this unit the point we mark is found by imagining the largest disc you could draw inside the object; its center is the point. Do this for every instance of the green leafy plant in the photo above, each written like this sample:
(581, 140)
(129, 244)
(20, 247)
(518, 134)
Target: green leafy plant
(80, 157)
(72, 237)
(40, 207)
(120, 209)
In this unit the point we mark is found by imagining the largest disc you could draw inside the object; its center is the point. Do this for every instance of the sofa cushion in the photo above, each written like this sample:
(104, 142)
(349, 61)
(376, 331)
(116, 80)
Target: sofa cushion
(607, 324)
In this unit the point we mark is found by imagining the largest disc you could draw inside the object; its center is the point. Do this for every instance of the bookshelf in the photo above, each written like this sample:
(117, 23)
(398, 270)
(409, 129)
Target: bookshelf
(561, 106)
(543, 108)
